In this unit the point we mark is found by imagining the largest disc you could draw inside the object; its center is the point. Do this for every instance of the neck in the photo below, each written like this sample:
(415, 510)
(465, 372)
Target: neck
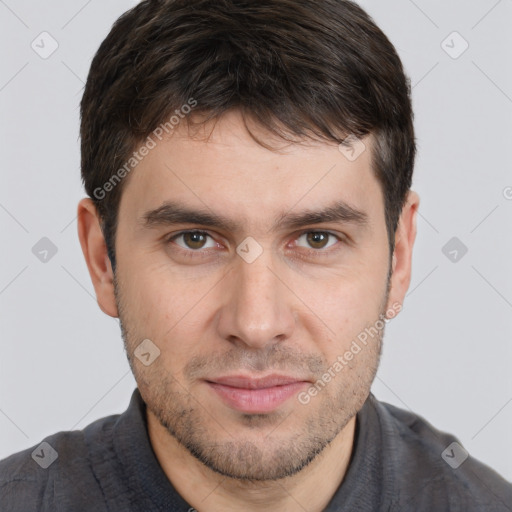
(207, 491)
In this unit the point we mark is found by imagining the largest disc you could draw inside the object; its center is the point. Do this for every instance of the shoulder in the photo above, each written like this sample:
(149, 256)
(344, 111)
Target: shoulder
(432, 466)
(47, 475)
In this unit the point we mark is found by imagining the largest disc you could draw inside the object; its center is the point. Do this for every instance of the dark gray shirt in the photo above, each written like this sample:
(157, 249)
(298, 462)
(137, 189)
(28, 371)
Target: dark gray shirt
(399, 462)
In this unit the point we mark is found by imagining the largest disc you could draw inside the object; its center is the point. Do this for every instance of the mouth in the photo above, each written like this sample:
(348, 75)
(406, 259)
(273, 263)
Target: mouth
(256, 395)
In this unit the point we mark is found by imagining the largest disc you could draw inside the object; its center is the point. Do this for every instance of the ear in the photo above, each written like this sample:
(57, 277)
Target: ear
(402, 255)
(95, 253)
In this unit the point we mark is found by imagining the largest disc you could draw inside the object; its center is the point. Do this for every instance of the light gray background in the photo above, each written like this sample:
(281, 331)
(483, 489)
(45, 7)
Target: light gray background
(447, 356)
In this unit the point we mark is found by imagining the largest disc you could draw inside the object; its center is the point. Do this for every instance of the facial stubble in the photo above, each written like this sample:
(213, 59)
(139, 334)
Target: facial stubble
(241, 451)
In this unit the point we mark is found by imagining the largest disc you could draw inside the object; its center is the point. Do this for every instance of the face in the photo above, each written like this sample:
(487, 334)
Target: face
(253, 272)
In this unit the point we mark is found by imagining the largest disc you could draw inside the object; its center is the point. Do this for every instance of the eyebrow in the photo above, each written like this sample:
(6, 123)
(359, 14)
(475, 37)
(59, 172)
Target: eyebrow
(172, 212)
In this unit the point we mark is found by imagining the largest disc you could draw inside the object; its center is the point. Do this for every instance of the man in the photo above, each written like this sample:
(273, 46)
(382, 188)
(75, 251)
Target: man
(250, 222)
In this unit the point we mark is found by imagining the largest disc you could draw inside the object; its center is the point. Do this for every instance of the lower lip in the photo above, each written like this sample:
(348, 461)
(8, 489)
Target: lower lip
(256, 401)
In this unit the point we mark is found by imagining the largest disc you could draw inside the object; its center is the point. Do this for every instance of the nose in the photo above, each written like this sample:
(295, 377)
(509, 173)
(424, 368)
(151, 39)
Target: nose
(257, 310)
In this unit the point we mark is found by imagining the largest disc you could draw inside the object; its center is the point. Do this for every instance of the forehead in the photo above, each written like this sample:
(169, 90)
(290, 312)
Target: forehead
(221, 168)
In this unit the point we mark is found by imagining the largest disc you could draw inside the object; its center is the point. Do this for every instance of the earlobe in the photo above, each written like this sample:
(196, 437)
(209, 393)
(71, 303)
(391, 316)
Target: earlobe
(95, 253)
(402, 256)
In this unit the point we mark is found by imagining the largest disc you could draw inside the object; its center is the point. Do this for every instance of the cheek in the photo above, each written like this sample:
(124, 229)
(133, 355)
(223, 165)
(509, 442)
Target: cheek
(172, 312)
(345, 311)
(358, 293)
(150, 304)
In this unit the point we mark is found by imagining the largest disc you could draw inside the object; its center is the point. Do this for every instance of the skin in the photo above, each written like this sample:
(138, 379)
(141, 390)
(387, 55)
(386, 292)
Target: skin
(292, 311)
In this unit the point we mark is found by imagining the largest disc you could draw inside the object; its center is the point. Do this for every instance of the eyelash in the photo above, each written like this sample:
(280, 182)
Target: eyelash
(198, 253)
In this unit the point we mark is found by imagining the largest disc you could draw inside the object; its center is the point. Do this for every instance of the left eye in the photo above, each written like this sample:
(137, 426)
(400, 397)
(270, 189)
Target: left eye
(317, 239)
(194, 240)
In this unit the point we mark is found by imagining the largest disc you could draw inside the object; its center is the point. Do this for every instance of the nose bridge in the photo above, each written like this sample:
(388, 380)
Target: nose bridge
(258, 311)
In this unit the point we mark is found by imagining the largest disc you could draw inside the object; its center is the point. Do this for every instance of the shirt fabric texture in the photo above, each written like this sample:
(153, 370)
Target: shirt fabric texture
(110, 466)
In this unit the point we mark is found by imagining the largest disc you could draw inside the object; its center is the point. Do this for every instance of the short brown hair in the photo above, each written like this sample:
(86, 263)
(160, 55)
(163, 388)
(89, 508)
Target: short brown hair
(300, 68)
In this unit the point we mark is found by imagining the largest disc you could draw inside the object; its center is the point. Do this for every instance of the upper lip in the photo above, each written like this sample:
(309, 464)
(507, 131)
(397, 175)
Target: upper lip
(246, 382)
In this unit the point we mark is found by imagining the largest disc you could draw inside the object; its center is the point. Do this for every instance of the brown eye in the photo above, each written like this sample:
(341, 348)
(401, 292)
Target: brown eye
(193, 240)
(317, 239)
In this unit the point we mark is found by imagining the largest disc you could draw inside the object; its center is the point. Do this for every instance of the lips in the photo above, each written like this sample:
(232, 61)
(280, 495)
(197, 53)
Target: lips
(256, 395)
